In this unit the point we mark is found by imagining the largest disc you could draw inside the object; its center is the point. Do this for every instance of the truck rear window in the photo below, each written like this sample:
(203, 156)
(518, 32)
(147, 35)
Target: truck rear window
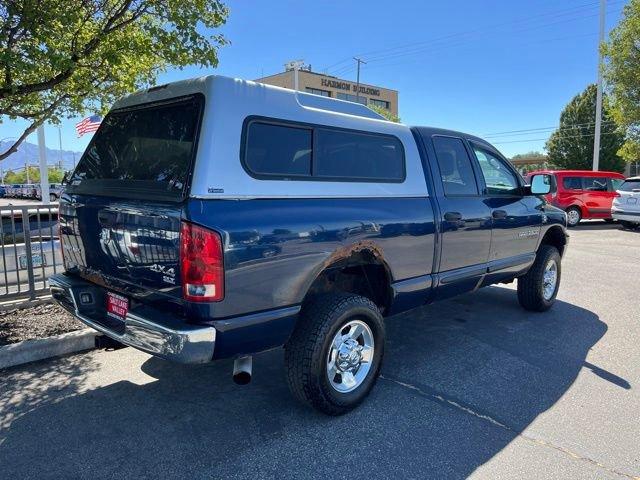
(142, 152)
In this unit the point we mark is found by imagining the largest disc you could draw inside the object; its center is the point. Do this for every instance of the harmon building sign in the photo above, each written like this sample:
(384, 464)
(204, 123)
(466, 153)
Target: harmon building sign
(328, 86)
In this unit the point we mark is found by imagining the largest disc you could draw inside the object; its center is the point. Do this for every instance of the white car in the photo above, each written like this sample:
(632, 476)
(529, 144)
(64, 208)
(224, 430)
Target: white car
(626, 205)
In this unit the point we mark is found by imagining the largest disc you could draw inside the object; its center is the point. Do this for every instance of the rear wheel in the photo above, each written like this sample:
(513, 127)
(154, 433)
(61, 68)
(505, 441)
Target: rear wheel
(629, 225)
(334, 356)
(52, 197)
(574, 215)
(537, 289)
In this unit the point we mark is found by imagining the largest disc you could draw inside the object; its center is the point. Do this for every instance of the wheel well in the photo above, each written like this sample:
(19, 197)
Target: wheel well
(556, 238)
(577, 206)
(361, 273)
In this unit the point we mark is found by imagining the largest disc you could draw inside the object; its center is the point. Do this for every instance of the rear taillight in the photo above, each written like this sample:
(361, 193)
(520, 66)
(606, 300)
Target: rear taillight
(201, 264)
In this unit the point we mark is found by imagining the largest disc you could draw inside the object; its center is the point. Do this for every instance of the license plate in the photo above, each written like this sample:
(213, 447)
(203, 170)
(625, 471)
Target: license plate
(117, 306)
(36, 260)
(632, 200)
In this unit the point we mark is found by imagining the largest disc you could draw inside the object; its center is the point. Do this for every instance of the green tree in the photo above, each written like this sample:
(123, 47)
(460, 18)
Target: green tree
(530, 156)
(385, 113)
(622, 72)
(62, 58)
(20, 176)
(571, 145)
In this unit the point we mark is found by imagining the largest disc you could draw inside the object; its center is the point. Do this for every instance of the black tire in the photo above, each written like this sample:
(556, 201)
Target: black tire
(531, 286)
(574, 215)
(307, 351)
(608, 220)
(629, 225)
(52, 197)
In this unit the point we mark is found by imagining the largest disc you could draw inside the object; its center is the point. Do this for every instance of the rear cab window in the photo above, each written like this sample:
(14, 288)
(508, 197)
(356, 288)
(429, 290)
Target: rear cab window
(144, 152)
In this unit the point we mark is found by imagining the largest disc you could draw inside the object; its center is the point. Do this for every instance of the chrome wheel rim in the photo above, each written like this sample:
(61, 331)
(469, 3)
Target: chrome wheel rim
(549, 280)
(573, 217)
(350, 356)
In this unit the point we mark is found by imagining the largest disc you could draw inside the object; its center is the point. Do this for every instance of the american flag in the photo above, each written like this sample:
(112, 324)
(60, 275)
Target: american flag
(88, 125)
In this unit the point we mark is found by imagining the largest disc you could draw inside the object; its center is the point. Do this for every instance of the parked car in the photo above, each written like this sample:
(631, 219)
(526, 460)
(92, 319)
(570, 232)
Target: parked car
(583, 194)
(29, 191)
(55, 190)
(14, 190)
(306, 186)
(626, 206)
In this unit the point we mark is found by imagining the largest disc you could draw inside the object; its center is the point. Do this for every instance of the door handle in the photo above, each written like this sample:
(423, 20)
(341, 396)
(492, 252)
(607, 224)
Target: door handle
(499, 214)
(453, 216)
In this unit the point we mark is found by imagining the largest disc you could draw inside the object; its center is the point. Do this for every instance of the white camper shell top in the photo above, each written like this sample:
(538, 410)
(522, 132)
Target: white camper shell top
(219, 173)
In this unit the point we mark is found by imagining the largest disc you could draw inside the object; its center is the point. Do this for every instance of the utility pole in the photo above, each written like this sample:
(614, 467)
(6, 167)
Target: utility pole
(358, 78)
(596, 138)
(44, 172)
(60, 144)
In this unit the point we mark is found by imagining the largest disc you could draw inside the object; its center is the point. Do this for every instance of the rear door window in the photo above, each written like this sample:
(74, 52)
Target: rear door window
(455, 167)
(594, 184)
(572, 183)
(145, 151)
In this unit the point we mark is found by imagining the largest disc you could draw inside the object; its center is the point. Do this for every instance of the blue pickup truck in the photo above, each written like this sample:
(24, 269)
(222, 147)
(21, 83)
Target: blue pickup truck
(217, 218)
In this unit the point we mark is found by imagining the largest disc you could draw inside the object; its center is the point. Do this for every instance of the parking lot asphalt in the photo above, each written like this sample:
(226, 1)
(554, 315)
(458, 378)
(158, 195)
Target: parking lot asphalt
(474, 386)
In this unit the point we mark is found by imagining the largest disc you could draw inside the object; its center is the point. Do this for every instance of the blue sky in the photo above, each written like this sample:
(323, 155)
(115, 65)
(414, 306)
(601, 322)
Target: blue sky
(481, 67)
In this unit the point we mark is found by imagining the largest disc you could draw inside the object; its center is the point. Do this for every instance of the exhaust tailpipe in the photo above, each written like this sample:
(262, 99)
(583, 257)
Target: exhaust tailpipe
(242, 370)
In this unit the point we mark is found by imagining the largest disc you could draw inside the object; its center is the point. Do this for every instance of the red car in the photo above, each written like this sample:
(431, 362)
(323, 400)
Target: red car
(583, 193)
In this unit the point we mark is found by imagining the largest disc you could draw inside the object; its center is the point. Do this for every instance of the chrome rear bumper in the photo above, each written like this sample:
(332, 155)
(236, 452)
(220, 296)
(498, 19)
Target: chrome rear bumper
(164, 335)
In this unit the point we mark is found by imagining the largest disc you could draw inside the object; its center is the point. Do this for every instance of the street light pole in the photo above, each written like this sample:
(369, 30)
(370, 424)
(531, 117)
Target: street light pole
(596, 138)
(44, 172)
(358, 78)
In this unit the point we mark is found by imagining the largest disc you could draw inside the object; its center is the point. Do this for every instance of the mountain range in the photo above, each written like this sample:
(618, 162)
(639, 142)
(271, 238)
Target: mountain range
(28, 152)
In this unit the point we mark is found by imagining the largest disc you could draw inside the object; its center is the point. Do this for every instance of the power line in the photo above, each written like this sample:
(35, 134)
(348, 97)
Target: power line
(417, 47)
(547, 138)
(531, 131)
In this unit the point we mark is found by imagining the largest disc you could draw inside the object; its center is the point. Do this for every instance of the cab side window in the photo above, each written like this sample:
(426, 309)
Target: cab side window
(498, 177)
(455, 166)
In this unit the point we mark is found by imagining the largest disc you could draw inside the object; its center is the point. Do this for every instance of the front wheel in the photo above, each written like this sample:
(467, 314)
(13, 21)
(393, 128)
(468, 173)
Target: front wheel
(629, 225)
(537, 289)
(334, 355)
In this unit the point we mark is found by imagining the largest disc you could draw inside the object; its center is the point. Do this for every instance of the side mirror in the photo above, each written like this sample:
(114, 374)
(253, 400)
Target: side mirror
(542, 184)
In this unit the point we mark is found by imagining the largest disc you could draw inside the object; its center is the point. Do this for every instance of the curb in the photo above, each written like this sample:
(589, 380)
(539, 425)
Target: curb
(33, 350)
(22, 303)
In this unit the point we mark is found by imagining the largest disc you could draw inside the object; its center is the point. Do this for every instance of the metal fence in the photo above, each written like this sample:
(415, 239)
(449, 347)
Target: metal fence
(31, 250)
